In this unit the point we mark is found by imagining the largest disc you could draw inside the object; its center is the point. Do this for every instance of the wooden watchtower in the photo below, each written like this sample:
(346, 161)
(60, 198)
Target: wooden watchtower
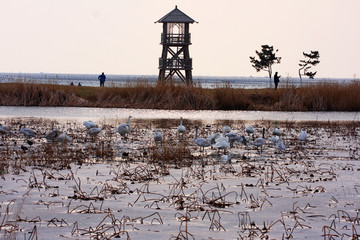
(175, 39)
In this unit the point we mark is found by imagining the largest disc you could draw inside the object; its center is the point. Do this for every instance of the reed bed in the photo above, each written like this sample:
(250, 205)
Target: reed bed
(318, 97)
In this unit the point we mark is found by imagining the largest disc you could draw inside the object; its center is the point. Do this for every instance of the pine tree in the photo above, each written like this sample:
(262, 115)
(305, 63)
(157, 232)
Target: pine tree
(267, 57)
(311, 59)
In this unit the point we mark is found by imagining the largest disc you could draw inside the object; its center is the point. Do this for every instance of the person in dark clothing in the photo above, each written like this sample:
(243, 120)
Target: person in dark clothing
(102, 78)
(276, 80)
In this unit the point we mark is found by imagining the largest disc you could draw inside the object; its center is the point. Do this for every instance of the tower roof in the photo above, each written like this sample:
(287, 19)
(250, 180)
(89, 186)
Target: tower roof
(176, 16)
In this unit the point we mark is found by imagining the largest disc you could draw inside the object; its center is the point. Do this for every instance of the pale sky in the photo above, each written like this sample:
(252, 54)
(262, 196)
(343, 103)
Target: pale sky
(120, 37)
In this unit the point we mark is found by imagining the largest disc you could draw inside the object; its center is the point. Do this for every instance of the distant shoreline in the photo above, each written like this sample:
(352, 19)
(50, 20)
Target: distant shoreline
(121, 80)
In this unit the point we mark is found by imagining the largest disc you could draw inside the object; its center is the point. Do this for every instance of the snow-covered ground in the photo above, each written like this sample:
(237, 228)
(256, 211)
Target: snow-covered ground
(110, 187)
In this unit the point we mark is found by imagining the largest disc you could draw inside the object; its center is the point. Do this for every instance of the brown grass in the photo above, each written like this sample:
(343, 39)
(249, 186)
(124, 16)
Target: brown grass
(319, 97)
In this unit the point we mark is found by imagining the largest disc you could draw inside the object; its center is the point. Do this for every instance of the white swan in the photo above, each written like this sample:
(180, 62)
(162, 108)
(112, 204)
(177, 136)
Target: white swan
(4, 129)
(226, 129)
(226, 159)
(181, 128)
(63, 138)
(303, 136)
(280, 145)
(278, 142)
(89, 124)
(260, 142)
(124, 128)
(249, 130)
(201, 142)
(52, 135)
(212, 138)
(27, 131)
(94, 131)
(222, 142)
(274, 139)
(276, 131)
(233, 137)
(158, 136)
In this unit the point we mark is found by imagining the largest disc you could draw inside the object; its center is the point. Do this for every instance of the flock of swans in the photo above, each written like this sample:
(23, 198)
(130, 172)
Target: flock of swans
(220, 141)
(226, 139)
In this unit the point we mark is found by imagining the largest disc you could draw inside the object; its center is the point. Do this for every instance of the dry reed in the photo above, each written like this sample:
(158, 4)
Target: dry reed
(316, 97)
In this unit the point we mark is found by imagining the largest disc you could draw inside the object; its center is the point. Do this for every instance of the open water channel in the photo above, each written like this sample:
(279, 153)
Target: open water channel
(82, 113)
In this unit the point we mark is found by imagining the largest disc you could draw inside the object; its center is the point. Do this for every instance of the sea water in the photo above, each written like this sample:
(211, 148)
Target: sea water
(126, 80)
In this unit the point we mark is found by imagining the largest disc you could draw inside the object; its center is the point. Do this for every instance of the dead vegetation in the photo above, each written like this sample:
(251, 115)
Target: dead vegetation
(145, 186)
(315, 97)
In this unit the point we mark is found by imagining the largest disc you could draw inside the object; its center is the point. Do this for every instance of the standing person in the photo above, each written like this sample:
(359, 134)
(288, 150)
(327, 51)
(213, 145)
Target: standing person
(276, 80)
(102, 78)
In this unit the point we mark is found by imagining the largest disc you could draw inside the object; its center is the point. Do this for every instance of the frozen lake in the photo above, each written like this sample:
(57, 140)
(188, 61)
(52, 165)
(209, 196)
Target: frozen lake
(81, 113)
(110, 187)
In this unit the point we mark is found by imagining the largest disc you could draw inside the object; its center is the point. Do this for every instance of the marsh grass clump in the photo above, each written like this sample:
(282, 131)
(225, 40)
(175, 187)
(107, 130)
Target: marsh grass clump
(320, 97)
(23, 94)
(141, 173)
(172, 152)
(99, 149)
(145, 95)
(228, 98)
(331, 97)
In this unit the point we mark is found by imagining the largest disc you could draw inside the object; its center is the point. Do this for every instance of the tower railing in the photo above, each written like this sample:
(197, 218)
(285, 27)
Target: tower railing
(176, 38)
(178, 64)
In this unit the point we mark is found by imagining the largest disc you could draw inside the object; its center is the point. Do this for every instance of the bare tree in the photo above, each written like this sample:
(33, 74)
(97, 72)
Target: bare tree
(311, 59)
(267, 57)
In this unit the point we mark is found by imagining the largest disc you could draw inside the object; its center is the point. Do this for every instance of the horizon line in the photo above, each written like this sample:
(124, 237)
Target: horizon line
(155, 75)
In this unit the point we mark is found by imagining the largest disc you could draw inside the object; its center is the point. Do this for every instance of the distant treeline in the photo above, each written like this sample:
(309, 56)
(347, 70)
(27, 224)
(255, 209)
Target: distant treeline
(318, 97)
